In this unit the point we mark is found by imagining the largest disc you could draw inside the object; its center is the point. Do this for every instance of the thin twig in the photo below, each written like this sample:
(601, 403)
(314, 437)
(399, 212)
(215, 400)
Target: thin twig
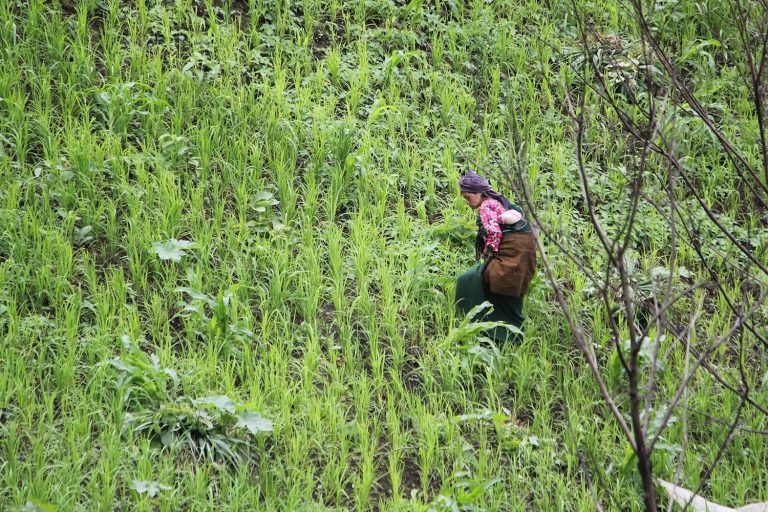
(737, 325)
(684, 415)
(588, 477)
(721, 450)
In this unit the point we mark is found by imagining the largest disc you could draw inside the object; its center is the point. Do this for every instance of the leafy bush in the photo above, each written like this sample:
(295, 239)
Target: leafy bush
(210, 427)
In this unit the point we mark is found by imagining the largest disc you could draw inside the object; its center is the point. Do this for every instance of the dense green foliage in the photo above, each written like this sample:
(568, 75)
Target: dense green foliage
(228, 237)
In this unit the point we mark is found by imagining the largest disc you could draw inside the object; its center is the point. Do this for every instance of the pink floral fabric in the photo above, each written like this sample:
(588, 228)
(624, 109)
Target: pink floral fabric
(490, 213)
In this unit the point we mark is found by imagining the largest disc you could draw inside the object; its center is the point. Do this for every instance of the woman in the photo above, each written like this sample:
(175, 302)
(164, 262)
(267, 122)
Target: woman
(505, 241)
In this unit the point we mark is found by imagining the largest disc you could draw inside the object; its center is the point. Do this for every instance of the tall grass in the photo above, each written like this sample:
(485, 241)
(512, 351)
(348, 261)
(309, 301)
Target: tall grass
(309, 152)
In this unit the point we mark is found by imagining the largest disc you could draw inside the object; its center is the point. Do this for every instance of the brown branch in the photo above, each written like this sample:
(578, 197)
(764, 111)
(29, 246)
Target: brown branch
(710, 214)
(758, 95)
(724, 422)
(686, 372)
(661, 314)
(715, 375)
(737, 325)
(588, 477)
(685, 91)
(694, 241)
(721, 450)
(616, 258)
(576, 329)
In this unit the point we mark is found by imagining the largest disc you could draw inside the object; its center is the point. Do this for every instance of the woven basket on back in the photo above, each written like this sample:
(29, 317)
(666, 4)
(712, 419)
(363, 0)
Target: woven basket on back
(510, 270)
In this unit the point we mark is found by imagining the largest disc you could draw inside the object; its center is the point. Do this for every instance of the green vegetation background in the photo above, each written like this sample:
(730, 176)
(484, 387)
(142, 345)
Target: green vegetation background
(258, 199)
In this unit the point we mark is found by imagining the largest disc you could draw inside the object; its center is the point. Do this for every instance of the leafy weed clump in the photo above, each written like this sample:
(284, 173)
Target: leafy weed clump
(208, 428)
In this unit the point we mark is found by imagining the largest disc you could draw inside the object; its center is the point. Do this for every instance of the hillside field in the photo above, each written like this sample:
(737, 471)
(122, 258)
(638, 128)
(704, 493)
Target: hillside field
(229, 237)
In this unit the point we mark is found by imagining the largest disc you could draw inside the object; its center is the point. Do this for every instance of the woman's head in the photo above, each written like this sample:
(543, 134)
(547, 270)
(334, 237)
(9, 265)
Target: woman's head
(473, 199)
(474, 189)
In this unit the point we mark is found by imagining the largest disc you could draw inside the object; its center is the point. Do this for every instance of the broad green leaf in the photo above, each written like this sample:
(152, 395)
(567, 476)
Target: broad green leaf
(478, 309)
(265, 197)
(262, 200)
(194, 294)
(254, 422)
(121, 365)
(486, 414)
(673, 449)
(149, 487)
(173, 374)
(469, 330)
(103, 97)
(221, 402)
(81, 235)
(38, 506)
(172, 249)
(166, 438)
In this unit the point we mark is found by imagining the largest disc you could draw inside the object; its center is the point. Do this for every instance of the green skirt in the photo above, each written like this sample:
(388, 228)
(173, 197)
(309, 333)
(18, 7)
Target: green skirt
(472, 291)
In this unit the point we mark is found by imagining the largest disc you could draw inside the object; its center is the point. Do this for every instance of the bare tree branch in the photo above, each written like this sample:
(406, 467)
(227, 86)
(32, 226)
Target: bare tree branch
(739, 161)
(708, 473)
(724, 422)
(737, 325)
(588, 477)
(648, 118)
(686, 373)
